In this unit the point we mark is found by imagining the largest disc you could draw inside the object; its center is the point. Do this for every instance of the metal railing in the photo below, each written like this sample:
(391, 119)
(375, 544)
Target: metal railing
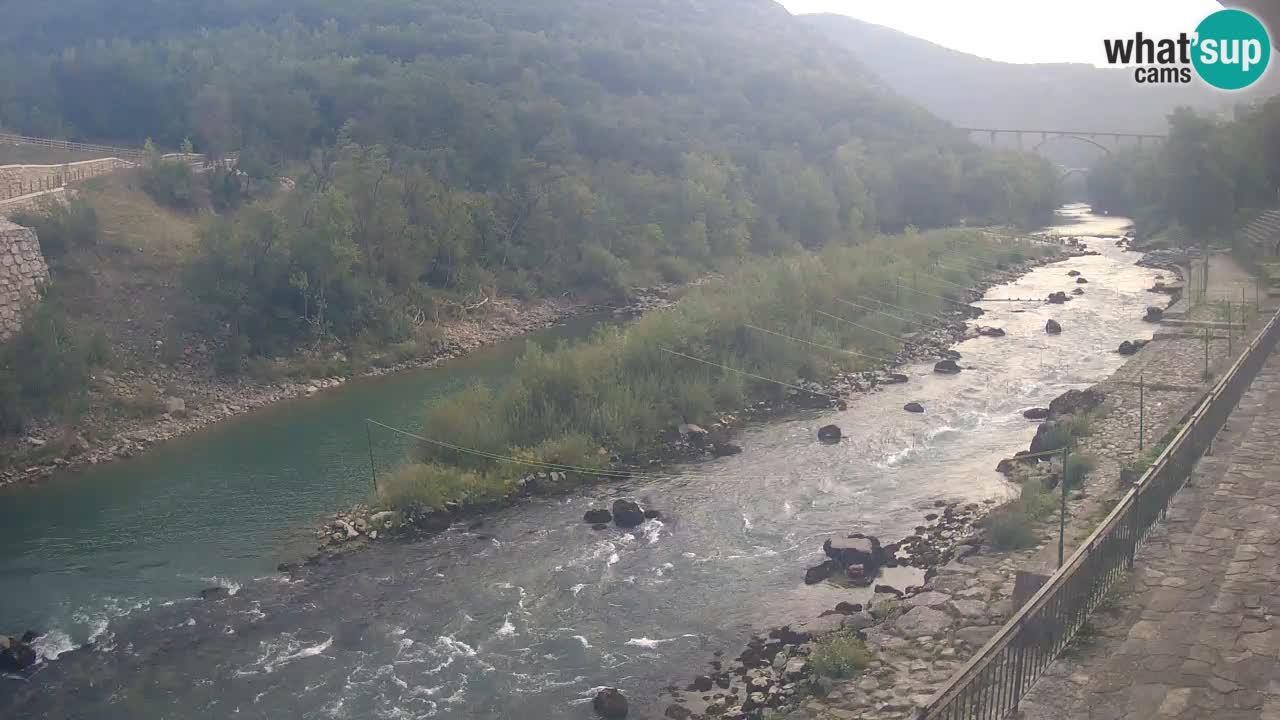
(995, 680)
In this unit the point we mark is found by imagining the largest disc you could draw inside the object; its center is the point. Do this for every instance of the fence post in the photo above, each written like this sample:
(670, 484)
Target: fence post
(1206, 354)
(1230, 344)
(1062, 510)
(1142, 416)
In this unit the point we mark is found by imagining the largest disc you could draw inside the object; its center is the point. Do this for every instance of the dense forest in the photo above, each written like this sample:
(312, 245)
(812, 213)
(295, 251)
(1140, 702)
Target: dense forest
(437, 153)
(1205, 181)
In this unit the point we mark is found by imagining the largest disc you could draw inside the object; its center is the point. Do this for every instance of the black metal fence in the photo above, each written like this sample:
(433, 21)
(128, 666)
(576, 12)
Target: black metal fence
(995, 680)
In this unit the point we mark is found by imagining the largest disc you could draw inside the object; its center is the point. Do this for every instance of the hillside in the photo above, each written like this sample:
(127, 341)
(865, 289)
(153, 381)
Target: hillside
(971, 91)
(444, 154)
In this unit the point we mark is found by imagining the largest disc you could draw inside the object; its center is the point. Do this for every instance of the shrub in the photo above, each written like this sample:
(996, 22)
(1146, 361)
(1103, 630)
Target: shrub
(426, 486)
(62, 228)
(839, 655)
(1010, 529)
(1079, 465)
(172, 184)
(44, 368)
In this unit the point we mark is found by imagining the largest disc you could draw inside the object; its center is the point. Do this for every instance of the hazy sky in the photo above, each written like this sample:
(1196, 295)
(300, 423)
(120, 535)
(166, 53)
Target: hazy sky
(1022, 30)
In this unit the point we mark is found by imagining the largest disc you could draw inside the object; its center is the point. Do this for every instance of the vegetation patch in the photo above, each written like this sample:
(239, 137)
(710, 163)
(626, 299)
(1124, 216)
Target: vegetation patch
(839, 655)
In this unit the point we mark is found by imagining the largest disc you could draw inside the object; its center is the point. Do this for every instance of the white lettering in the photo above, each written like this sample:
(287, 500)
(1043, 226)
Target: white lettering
(1209, 51)
(1252, 54)
(1230, 52)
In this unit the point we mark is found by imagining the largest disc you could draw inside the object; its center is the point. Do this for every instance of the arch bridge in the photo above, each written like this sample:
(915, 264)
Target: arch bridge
(1090, 137)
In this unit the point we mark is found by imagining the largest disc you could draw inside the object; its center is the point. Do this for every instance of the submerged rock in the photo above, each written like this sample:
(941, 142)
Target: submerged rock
(894, 378)
(1074, 273)
(991, 332)
(1035, 413)
(818, 573)
(215, 593)
(16, 654)
(913, 407)
(830, 433)
(1154, 314)
(1081, 281)
(724, 449)
(1053, 327)
(946, 367)
(597, 516)
(610, 704)
(627, 513)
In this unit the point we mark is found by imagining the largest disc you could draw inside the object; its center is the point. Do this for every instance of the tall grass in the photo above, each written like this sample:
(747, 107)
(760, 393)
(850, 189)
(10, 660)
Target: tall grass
(621, 389)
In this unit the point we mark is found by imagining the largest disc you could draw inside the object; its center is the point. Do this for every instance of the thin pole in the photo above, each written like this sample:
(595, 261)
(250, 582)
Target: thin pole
(373, 469)
(1142, 408)
(1206, 353)
(1062, 510)
(1230, 351)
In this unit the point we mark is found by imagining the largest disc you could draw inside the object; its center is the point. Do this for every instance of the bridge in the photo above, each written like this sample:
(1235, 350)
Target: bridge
(1090, 137)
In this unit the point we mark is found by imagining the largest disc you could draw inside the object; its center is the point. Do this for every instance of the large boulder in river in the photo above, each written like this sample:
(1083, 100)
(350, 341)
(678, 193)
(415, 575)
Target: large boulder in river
(855, 550)
(913, 407)
(818, 573)
(1081, 281)
(1128, 348)
(1078, 291)
(627, 513)
(1154, 314)
(15, 654)
(610, 704)
(1073, 273)
(1053, 327)
(1074, 402)
(597, 516)
(946, 367)
(1058, 298)
(830, 433)
(1035, 413)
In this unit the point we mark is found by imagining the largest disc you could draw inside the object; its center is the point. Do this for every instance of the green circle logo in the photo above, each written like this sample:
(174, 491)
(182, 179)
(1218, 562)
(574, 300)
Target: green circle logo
(1232, 50)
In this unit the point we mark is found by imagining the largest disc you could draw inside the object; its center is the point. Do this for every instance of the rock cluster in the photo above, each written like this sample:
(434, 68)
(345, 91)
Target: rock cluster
(773, 672)
(16, 653)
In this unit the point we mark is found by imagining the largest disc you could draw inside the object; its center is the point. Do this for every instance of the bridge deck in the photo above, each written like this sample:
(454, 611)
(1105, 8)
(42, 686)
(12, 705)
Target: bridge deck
(1196, 635)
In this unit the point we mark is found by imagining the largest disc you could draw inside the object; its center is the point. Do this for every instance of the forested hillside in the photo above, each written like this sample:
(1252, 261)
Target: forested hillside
(971, 91)
(1207, 180)
(454, 148)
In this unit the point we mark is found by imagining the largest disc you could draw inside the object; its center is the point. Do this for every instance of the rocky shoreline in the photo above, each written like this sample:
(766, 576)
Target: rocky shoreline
(188, 400)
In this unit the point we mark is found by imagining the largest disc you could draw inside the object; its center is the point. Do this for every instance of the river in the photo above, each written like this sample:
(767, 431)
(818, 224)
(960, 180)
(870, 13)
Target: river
(531, 611)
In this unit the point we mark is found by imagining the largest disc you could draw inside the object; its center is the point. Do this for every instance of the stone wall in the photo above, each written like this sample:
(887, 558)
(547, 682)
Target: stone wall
(23, 273)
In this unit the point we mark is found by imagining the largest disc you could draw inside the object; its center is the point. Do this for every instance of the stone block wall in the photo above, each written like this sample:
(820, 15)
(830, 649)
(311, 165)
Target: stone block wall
(23, 273)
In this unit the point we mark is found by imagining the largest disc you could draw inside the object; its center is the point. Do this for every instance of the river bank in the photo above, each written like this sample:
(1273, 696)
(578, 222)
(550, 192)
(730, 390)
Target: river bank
(915, 643)
(186, 397)
(934, 342)
(528, 612)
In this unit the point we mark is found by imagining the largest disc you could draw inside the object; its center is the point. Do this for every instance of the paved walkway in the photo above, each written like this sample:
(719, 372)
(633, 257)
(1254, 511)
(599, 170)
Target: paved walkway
(1196, 636)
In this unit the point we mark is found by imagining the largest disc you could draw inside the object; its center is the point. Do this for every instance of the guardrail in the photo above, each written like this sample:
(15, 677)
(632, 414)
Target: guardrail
(18, 181)
(10, 139)
(995, 680)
